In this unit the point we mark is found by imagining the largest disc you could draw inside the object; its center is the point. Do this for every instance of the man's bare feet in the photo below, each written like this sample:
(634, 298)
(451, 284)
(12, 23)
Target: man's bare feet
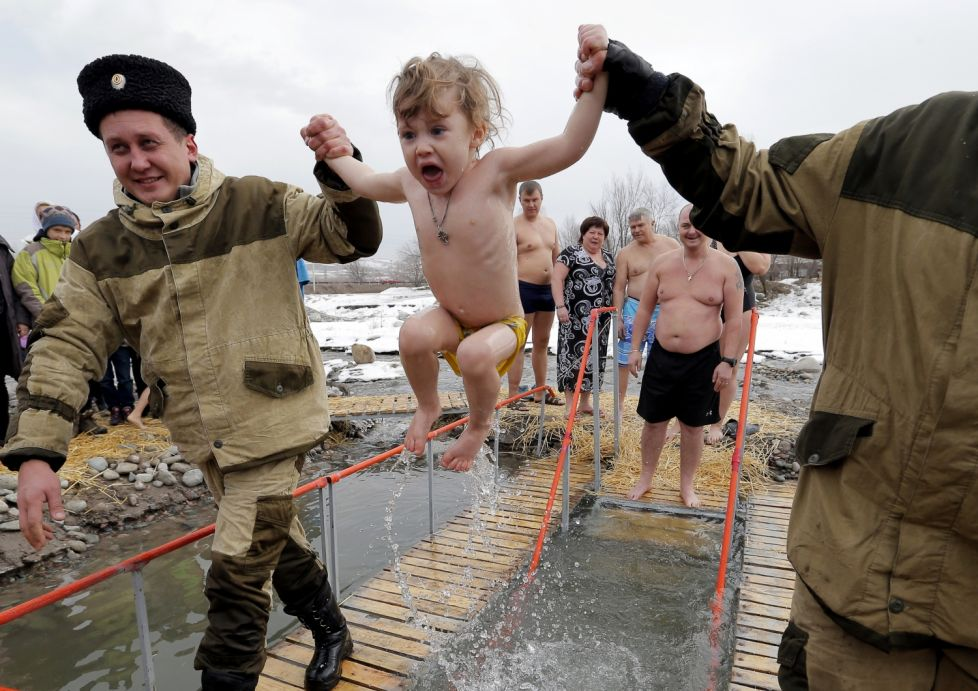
(640, 488)
(690, 499)
(134, 418)
(417, 434)
(714, 433)
(460, 455)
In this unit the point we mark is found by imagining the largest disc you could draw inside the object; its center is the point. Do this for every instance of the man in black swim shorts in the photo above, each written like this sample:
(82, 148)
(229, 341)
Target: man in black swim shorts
(536, 252)
(691, 358)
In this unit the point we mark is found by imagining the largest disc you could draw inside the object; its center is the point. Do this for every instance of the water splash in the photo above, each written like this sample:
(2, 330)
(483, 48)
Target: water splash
(417, 618)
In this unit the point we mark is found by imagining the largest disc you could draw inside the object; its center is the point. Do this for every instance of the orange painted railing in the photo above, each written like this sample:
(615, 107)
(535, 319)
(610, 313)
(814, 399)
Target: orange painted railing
(566, 442)
(716, 604)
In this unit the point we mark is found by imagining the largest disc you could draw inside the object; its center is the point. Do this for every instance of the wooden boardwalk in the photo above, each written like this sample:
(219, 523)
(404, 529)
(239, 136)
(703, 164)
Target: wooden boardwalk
(386, 644)
(766, 589)
(352, 407)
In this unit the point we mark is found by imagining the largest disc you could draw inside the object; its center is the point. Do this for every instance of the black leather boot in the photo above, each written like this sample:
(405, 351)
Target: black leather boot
(218, 680)
(333, 641)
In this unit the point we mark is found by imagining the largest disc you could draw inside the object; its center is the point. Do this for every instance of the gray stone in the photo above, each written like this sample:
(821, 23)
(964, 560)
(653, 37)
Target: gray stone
(8, 481)
(10, 526)
(98, 463)
(3, 506)
(134, 458)
(14, 513)
(110, 475)
(77, 545)
(64, 484)
(796, 467)
(162, 467)
(193, 477)
(165, 477)
(76, 505)
(779, 478)
(806, 364)
(73, 528)
(144, 477)
(4, 492)
(172, 451)
(362, 354)
(157, 483)
(125, 468)
(90, 538)
(133, 500)
(132, 477)
(180, 467)
(139, 485)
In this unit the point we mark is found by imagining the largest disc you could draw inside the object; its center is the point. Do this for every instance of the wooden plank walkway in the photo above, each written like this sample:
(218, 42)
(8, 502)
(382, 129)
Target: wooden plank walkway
(386, 644)
(351, 407)
(766, 590)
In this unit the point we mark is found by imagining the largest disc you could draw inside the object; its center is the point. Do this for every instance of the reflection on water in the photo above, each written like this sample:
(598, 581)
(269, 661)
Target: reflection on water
(608, 610)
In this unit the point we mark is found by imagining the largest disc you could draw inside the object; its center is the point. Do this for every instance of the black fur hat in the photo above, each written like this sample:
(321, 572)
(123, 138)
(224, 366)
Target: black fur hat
(132, 82)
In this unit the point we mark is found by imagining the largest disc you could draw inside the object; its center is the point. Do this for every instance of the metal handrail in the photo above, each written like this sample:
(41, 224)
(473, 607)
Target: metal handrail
(716, 603)
(136, 563)
(564, 457)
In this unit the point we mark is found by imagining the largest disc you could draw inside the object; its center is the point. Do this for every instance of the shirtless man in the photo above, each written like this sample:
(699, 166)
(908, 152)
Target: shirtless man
(536, 252)
(631, 265)
(690, 361)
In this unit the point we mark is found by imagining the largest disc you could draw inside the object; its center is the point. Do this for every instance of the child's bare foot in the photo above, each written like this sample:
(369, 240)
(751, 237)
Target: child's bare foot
(640, 488)
(417, 434)
(136, 419)
(714, 433)
(690, 499)
(461, 454)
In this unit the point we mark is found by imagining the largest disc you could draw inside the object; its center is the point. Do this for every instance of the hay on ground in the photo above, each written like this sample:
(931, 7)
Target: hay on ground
(713, 474)
(120, 442)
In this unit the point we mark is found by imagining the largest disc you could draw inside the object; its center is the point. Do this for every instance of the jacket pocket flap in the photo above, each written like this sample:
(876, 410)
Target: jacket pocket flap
(829, 437)
(276, 379)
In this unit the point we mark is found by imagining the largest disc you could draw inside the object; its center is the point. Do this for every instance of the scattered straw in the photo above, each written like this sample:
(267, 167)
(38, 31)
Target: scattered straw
(120, 441)
(713, 475)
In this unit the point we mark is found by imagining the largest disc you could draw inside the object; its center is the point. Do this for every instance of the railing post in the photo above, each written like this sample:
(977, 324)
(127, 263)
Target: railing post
(334, 566)
(142, 625)
(495, 444)
(323, 527)
(596, 400)
(615, 384)
(543, 417)
(565, 504)
(430, 453)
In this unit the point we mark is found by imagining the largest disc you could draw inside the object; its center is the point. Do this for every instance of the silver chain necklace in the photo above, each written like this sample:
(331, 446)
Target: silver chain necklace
(689, 276)
(439, 225)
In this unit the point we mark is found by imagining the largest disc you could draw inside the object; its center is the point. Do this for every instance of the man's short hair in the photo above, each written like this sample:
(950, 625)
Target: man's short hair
(529, 187)
(639, 214)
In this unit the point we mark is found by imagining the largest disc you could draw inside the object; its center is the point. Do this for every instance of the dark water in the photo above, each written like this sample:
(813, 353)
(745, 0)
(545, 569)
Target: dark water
(621, 602)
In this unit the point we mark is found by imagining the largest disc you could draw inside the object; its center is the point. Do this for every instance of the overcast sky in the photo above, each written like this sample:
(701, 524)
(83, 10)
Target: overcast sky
(260, 69)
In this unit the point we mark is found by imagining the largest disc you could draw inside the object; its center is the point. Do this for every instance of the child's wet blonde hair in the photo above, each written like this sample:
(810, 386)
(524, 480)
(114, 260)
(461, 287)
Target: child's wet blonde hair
(423, 81)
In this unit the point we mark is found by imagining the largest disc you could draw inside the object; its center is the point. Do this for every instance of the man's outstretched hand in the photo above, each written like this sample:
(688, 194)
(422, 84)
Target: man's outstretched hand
(592, 48)
(38, 485)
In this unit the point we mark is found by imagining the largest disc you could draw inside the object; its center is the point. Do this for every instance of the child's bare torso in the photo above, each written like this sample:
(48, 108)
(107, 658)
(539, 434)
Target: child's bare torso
(473, 274)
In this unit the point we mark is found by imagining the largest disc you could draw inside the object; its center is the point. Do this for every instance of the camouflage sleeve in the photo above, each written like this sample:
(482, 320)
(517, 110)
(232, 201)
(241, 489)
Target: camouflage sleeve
(778, 200)
(69, 345)
(335, 226)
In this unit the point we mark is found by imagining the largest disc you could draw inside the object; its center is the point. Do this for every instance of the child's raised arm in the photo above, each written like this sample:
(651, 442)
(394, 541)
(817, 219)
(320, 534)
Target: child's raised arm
(328, 140)
(549, 156)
